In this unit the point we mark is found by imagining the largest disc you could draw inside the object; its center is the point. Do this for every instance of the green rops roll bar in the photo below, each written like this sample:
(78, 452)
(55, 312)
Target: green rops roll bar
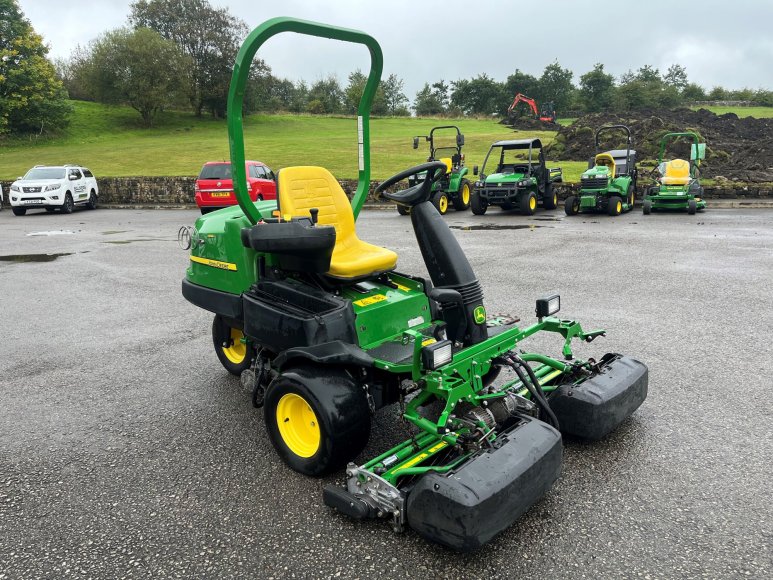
(236, 100)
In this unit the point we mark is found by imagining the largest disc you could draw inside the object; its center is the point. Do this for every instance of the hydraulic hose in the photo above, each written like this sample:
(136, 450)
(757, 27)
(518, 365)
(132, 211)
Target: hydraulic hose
(532, 385)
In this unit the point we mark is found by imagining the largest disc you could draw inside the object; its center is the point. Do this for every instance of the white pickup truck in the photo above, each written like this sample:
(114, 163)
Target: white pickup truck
(54, 187)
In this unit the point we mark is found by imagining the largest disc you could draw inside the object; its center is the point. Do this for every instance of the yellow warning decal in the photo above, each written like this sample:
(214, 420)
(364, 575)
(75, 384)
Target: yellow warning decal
(427, 341)
(422, 456)
(214, 263)
(370, 300)
(401, 287)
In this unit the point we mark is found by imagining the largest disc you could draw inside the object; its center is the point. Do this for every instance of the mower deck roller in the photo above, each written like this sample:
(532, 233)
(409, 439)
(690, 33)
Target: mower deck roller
(324, 332)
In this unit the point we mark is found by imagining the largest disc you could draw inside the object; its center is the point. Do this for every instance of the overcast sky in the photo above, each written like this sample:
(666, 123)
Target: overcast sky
(719, 42)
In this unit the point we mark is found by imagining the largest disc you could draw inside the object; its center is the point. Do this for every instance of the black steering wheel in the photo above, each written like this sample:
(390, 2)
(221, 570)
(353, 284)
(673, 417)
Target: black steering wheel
(420, 192)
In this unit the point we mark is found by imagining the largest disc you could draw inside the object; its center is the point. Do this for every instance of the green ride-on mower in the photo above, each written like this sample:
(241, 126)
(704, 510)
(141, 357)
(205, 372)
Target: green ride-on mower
(520, 178)
(609, 184)
(453, 188)
(678, 184)
(324, 331)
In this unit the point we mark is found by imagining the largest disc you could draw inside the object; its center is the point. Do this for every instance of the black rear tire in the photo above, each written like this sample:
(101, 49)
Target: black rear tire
(631, 197)
(235, 355)
(317, 418)
(92, 203)
(528, 203)
(550, 197)
(478, 204)
(615, 206)
(402, 210)
(572, 205)
(19, 210)
(68, 204)
(462, 199)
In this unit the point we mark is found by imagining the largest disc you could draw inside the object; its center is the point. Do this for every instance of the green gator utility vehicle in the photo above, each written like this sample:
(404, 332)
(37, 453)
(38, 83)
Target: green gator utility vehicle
(609, 184)
(519, 178)
(678, 185)
(453, 187)
(325, 331)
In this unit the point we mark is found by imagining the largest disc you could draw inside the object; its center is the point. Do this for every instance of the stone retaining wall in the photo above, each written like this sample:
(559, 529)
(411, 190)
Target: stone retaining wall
(179, 190)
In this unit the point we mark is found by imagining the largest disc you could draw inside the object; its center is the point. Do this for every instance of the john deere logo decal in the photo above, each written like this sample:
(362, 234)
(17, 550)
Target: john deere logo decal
(480, 314)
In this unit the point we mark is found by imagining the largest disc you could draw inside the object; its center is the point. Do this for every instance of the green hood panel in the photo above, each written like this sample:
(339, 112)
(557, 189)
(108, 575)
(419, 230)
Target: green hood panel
(504, 178)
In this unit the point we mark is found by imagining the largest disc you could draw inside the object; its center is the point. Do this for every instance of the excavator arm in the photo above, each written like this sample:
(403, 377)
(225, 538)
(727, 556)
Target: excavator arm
(520, 98)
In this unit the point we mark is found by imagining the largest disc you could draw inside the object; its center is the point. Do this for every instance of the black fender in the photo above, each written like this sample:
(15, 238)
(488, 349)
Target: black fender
(335, 352)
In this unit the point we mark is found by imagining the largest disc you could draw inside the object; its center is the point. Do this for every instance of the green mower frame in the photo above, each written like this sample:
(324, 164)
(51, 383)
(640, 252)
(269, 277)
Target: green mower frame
(680, 192)
(453, 188)
(609, 184)
(322, 351)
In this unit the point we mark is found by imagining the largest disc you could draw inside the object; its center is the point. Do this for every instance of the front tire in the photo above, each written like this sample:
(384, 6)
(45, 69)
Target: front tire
(402, 210)
(19, 210)
(233, 353)
(68, 204)
(646, 207)
(572, 205)
(92, 203)
(615, 206)
(528, 203)
(440, 201)
(462, 199)
(478, 204)
(692, 206)
(317, 418)
(550, 197)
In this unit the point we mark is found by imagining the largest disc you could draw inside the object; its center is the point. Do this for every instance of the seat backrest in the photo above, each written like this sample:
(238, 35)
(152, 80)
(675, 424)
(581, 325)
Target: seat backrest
(448, 162)
(676, 172)
(305, 187)
(606, 160)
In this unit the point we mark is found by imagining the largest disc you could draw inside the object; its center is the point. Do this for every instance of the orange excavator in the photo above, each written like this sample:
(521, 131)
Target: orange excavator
(548, 114)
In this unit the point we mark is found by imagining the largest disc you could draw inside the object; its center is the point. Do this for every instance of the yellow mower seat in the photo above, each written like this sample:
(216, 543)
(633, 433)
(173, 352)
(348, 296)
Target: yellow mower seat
(305, 187)
(606, 160)
(676, 172)
(449, 163)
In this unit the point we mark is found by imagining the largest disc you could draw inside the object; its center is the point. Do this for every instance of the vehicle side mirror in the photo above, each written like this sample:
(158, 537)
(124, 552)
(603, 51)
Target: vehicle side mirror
(19, 178)
(459, 140)
(415, 142)
(475, 170)
(73, 177)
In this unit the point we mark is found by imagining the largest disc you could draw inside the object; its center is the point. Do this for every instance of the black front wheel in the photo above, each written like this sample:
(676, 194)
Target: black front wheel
(68, 204)
(477, 203)
(317, 418)
(692, 206)
(646, 207)
(440, 201)
(528, 203)
(19, 210)
(232, 350)
(462, 199)
(92, 203)
(615, 206)
(572, 205)
(550, 197)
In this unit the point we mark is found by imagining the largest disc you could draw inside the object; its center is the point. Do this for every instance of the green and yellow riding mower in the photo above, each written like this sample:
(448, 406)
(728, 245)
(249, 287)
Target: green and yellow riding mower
(453, 188)
(519, 178)
(609, 184)
(678, 184)
(324, 331)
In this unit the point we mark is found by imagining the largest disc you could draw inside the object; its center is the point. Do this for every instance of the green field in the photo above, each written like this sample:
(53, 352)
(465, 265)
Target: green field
(110, 141)
(757, 112)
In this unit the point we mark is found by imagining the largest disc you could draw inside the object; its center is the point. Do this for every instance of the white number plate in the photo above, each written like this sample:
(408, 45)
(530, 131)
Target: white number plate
(31, 201)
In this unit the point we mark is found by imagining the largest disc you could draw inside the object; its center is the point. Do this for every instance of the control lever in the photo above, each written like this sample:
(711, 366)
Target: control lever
(314, 213)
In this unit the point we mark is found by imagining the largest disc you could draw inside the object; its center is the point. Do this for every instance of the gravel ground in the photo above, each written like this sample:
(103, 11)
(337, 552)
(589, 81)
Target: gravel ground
(127, 451)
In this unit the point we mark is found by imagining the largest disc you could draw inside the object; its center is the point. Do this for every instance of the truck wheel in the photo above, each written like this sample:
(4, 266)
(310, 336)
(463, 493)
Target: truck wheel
(462, 199)
(615, 206)
(440, 201)
(19, 210)
(572, 205)
(233, 354)
(317, 418)
(478, 204)
(692, 206)
(92, 203)
(528, 203)
(68, 205)
(550, 197)
(402, 210)
(646, 207)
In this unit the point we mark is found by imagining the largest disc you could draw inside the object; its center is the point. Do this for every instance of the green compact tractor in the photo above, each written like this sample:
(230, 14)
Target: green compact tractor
(519, 180)
(678, 184)
(609, 184)
(324, 331)
(453, 187)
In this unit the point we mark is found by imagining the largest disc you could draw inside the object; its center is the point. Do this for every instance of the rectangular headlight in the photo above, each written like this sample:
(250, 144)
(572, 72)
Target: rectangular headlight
(436, 355)
(548, 305)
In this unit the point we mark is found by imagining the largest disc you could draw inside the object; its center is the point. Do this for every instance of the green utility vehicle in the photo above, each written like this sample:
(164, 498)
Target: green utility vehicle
(324, 331)
(678, 184)
(519, 178)
(453, 187)
(609, 184)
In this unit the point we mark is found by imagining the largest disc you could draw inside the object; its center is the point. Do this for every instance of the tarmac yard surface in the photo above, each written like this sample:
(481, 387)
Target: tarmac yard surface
(126, 450)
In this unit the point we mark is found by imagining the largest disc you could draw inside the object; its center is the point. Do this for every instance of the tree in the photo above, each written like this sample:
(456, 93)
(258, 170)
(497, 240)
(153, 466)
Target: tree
(209, 36)
(31, 97)
(353, 93)
(693, 92)
(432, 99)
(676, 76)
(597, 89)
(555, 85)
(395, 100)
(481, 95)
(326, 96)
(139, 68)
(520, 82)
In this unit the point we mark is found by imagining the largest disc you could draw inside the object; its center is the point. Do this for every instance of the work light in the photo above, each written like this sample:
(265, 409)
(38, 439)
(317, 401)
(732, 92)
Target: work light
(437, 354)
(548, 305)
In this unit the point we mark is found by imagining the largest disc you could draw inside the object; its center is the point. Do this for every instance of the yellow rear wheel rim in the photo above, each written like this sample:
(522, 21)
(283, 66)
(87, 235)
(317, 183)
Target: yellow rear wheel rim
(555, 199)
(532, 203)
(619, 206)
(237, 352)
(443, 203)
(465, 194)
(298, 425)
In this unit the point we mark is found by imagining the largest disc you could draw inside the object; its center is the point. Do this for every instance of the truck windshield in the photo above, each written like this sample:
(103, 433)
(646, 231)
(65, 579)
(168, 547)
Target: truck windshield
(45, 173)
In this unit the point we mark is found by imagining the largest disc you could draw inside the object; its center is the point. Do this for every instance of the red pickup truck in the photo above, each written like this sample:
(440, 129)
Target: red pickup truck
(215, 190)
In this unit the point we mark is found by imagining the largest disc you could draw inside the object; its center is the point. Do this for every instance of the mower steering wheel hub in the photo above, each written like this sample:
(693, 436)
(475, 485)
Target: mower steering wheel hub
(419, 193)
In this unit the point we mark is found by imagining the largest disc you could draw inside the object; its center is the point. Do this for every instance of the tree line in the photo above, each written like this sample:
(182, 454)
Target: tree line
(180, 53)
